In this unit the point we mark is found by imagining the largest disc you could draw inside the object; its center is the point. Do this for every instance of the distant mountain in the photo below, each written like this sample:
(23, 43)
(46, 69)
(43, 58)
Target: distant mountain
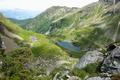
(19, 14)
(41, 23)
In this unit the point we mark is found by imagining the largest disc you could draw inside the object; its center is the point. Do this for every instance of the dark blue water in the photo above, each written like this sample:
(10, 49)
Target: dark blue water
(69, 46)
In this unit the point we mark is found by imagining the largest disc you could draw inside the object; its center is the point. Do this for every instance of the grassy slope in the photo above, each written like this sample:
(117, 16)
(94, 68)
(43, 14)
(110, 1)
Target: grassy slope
(41, 47)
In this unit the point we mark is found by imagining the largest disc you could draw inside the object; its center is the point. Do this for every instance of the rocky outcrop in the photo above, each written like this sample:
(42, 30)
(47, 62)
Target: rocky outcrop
(111, 63)
(9, 44)
(8, 38)
(99, 78)
(115, 8)
(90, 57)
(110, 1)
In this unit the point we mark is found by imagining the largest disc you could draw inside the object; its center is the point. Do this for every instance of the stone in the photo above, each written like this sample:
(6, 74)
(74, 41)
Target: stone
(73, 78)
(111, 63)
(99, 78)
(88, 58)
(65, 75)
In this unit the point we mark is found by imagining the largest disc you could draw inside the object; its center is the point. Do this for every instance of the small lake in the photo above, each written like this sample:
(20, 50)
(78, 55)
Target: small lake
(69, 46)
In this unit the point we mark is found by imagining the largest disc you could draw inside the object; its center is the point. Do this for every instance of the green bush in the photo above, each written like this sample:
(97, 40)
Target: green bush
(44, 78)
(14, 65)
(91, 68)
(80, 73)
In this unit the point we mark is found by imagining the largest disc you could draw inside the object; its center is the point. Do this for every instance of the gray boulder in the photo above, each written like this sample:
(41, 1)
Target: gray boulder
(88, 58)
(73, 78)
(111, 63)
(99, 78)
(65, 74)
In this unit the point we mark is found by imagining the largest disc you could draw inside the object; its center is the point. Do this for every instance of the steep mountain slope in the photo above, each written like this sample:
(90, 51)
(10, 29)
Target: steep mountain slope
(92, 26)
(35, 40)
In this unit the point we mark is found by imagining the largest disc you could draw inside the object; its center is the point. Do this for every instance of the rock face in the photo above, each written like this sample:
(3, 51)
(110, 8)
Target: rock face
(99, 78)
(110, 1)
(90, 57)
(1, 28)
(111, 63)
(7, 42)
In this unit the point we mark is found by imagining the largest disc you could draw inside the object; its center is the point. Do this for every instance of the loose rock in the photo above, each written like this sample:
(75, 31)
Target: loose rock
(90, 57)
(111, 63)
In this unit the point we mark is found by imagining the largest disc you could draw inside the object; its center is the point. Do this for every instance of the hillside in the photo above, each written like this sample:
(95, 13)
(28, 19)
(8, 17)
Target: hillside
(15, 32)
(80, 26)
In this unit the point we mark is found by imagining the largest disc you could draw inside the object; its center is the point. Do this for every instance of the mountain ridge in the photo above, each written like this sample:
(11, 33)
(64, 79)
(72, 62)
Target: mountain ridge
(42, 21)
